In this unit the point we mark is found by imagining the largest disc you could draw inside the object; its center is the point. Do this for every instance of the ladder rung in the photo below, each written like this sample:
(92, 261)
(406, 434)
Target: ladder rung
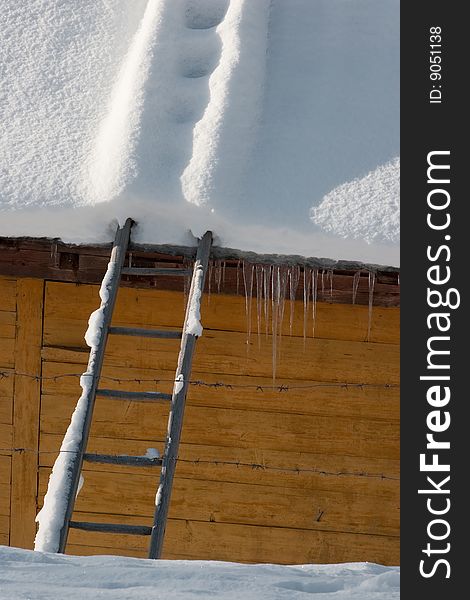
(151, 333)
(144, 396)
(111, 528)
(154, 271)
(131, 461)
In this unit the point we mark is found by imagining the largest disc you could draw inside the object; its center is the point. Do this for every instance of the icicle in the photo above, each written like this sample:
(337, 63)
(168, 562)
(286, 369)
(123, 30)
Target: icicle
(282, 300)
(259, 300)
(238, 278)
(267, 287)
(314, 298)
(248, 282)
(330, 277)
(129, 258)
(283, 277)
(294, 276)
(356, 279)
(275, 297)
(209, 280)
(371, 300)
(218, 274)
(322, 283)
(306, 299)
(223, 274)
(188, 265)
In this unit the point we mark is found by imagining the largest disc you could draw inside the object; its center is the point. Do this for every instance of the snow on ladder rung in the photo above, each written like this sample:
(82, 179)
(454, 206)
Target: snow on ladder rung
(123, 459)
(138, 396)
(111, 528)
(150, 333)
(154, 271)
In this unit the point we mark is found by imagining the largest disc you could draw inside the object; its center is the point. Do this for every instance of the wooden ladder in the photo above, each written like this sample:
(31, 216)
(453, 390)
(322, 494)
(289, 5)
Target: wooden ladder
(177, 398)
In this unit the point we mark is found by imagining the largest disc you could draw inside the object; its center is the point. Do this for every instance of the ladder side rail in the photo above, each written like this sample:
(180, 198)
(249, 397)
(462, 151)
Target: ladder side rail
(175, 421)
(95, 364)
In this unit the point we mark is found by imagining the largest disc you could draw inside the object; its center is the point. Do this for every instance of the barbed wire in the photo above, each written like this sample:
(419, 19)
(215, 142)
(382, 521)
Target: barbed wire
(217, 384)
(234, 463)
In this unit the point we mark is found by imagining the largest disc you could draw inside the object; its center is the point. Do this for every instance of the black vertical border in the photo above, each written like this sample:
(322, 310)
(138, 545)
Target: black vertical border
(428, 127)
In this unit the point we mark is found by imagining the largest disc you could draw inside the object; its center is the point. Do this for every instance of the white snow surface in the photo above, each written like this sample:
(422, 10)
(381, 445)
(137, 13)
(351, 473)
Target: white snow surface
(179, 384)
(188, 115)
(193, 323)
(96, 320)
(351, 209)
(51, 516)
(27, 575)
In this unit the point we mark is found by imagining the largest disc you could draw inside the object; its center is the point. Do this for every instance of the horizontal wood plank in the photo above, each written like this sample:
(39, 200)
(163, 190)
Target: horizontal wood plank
(7, 351)
(5, 489)
(223, 502)
(225, 353)
(7, 379)
(245, 393)
(4, 528)
(7, 294)
(160, 308)
(6, 438)
(6, 409)
(246, 543)
(5, 469)
(7, 323)
(278, 468)
(237, 428)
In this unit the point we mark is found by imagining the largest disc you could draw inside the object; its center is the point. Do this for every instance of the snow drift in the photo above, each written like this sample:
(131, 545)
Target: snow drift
(26, 574)
(188, 115)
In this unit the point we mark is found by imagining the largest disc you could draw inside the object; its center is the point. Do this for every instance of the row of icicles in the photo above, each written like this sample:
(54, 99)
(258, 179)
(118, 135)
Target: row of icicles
(273, 286)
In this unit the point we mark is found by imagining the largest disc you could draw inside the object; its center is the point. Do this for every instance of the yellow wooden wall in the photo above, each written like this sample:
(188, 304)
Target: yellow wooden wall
(324, 487)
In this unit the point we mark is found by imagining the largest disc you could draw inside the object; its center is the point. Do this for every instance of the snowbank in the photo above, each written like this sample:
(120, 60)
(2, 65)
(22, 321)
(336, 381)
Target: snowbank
(189, 115)
(352, 209)
(32, 575)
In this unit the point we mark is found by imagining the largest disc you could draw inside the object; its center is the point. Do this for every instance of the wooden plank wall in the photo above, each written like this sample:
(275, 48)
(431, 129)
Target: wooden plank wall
(21, 315)
(267, 475)
(7, 350)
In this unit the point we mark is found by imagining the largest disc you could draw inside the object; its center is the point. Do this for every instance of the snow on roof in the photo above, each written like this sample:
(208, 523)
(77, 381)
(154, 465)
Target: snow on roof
(246, 118)
(26, 574)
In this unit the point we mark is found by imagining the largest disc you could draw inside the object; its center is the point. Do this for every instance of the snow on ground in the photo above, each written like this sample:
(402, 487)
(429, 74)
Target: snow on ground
(30, 575)
(188, 115)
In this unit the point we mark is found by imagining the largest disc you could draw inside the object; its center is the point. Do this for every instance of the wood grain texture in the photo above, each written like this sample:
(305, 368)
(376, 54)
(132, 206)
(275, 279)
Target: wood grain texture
(7, 323)
(318, 398)
(5, 499)
(225, 353)
(343, 507)
(244, 543)
(5, 478)
(250, 504)
(53, 260)
(6, 438)
(277, 468)
(6, 409)
(5, 470)
(6, 383)
(26, 412)
(4, 528)
(7, 353)
(7, 294)
(239, 429)
(160, 308)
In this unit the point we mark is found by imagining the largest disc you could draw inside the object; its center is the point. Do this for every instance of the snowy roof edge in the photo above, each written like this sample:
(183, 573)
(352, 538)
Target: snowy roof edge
(223, 253)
